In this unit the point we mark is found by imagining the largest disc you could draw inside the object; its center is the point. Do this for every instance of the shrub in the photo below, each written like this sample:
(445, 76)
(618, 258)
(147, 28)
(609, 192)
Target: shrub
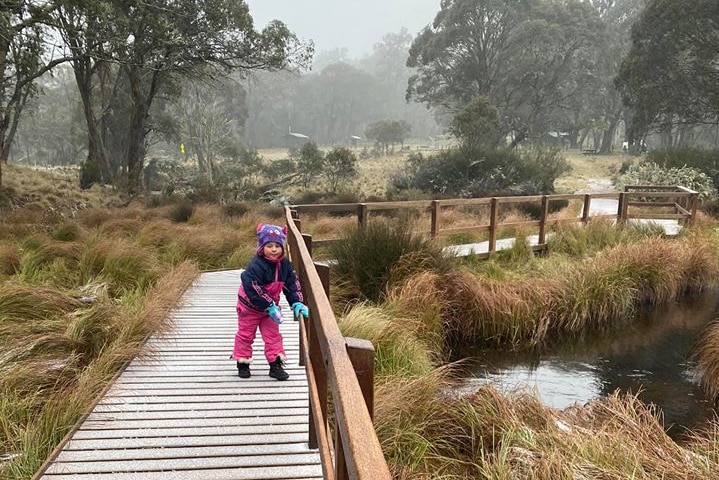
(650, 173)
(370, 256)
(67, 232)
(475, 172)
(706, 161)
(340, 165)
(181, 212)
(235, 209)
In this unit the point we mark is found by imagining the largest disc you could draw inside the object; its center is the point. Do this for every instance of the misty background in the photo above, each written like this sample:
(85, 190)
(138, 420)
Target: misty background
(127, 90)
(354, 25)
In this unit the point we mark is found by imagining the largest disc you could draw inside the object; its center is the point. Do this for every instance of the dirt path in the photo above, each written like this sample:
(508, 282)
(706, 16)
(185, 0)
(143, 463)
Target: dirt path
(597, 185)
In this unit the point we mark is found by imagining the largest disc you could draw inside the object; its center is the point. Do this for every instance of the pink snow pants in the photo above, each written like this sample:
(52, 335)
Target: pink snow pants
(247, 323)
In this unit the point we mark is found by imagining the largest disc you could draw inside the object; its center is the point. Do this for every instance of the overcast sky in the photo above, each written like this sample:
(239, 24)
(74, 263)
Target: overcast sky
(354, 24)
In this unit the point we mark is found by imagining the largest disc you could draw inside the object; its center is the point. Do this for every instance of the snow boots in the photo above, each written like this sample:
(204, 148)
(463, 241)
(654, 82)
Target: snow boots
(276, 370)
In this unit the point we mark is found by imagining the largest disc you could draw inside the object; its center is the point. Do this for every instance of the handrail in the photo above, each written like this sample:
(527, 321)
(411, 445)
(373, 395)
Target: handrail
(328, 364)
(684, 201)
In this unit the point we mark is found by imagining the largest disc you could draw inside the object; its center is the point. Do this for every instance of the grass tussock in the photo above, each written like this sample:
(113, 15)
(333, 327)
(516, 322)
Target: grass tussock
(591, 293)
(707, 356)
(399, 349)
(55, 377)
(9, 259)
(370, 257)
(577, 240)
(427, 433)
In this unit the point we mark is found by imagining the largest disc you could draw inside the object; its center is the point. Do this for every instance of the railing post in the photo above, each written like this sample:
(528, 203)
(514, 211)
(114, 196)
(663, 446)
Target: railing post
(362, 215)
(434, 229)
(323, 271)
(585, 208)
(621, 209)
(317, 360)
(693, 201)
(493, 211)
(296, 219)
(361, 354)
(541, 238)
(308, 242)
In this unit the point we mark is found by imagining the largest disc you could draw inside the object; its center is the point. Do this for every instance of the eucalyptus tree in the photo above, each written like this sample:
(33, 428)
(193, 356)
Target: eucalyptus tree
(520, 54)
(670, 76)
(465, 52)
(22, 37)
(142, 48)
(335, 103)
(388, 65)
(208, 119)
(270, 107)
(52, 128)
(387, 133)
(607, 108)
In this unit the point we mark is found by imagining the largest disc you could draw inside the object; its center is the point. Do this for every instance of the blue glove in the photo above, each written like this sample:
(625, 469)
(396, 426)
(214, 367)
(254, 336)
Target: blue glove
(300, 309)
(274, 312)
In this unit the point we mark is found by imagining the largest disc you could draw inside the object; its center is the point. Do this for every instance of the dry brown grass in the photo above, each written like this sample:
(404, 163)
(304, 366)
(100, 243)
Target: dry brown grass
(485, 433)
(708, 359)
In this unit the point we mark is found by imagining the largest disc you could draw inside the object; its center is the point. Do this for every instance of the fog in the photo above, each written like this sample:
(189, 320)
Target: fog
(352, 24)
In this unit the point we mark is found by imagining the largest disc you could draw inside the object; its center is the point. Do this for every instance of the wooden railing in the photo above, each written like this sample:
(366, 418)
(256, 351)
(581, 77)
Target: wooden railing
(340, 367)
(682, 201)
(636, 202)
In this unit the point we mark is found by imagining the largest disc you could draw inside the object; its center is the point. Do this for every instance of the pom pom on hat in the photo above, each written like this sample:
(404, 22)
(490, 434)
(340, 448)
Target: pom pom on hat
(270, 233)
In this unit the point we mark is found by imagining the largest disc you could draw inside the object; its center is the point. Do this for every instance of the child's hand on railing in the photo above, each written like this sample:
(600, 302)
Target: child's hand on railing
(300, 309)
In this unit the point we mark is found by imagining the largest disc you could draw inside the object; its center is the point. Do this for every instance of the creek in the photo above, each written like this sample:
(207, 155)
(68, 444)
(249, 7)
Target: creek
(652, 356)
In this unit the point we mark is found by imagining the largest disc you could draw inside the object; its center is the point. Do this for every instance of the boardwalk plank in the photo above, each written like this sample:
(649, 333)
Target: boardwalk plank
(162, 442)
(154, 465)
(210, 413)
(246, 473)
(198, 431)
(180, 452)
(155, 423)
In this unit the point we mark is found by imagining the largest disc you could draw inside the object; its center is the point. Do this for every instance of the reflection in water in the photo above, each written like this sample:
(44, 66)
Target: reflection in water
(651, 356)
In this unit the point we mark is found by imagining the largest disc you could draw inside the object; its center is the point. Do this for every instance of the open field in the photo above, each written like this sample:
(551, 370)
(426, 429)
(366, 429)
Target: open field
(375, 172)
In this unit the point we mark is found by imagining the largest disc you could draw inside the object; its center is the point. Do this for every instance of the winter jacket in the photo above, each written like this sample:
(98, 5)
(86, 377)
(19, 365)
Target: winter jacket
(261, 272)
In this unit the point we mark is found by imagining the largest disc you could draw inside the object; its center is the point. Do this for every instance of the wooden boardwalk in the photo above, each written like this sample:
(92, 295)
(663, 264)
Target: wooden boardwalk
(183, 413)
(599, 206)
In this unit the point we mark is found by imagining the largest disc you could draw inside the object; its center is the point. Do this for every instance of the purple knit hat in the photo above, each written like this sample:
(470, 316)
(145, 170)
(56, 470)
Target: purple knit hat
(270, 233)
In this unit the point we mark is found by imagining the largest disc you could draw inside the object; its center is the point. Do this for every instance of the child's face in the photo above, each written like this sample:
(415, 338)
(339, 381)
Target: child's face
(272, 250)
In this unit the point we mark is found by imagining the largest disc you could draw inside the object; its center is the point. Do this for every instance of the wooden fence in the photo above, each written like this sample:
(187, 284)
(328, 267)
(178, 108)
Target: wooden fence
(647, 202)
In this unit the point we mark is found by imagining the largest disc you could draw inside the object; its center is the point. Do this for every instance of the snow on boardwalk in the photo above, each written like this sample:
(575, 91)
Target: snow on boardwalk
(183, 413)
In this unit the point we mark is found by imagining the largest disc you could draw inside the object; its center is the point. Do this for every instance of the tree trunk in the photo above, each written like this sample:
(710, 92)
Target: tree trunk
(583, 137)
(608, 136)
(136, 150)
(521, 135)
(573, 138)
(96, 155)
(3, 157)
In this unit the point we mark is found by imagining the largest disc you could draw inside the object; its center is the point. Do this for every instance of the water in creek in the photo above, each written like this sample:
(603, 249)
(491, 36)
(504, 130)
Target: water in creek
(652, 357)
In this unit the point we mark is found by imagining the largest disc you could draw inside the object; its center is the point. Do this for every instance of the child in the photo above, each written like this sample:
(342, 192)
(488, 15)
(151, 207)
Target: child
(267, 274)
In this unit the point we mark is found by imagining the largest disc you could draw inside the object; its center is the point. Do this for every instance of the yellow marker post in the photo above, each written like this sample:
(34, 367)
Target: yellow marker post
(182, 148)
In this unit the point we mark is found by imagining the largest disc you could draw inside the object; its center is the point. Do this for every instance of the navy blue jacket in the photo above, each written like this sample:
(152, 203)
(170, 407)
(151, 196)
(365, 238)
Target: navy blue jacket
(261, 272)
